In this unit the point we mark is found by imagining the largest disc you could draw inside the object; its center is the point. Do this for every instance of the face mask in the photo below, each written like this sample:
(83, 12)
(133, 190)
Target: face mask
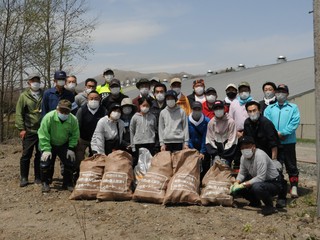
(144, 91)
(115, 115)
(171, 103)
(115, 90)
(108, 78)
(177, 90)
(231, 95)
(211, 98)
(254, 116)
(60, 83)
(35, 86)
(160, 97)
(244, 95)
(70, 86)
(63, 117)
(93, 104)
(247, 153)
(199, 90)
(196, 115)
(219, 113)
(88, 90)
(281, 97)
(268, 94)
(127, 110)
(144, 109)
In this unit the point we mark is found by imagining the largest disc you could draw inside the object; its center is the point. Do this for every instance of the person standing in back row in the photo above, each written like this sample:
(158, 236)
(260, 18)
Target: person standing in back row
(104, 89)
(198, 92)
(269, 89)
(28, 118)
(285, 116)
(182, 100)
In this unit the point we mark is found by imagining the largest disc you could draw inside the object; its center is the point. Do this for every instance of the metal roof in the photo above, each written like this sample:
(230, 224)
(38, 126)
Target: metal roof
(297, 74)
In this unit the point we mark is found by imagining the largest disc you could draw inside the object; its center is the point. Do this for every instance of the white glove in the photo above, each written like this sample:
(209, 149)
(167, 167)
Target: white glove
(71, 155)
(277, 164)
(45, 156)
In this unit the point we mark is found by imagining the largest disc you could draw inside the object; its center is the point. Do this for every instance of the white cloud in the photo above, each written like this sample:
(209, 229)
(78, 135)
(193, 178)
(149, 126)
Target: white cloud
(127, 32)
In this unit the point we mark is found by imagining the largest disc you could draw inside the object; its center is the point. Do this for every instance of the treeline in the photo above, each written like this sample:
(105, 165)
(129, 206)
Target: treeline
(38, 36)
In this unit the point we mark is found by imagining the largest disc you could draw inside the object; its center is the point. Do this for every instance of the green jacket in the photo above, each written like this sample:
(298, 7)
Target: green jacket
(54, 132)
(28, 112)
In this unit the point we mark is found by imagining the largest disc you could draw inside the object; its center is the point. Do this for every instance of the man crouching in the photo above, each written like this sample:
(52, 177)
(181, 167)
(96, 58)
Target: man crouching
(258, 179)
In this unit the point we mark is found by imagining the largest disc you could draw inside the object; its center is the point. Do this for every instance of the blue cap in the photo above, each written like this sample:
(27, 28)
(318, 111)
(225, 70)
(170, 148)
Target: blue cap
(60, 75)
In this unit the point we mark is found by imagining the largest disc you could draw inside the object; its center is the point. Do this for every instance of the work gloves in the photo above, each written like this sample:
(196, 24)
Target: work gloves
(71, 155)
(45, 156)
(236, 187)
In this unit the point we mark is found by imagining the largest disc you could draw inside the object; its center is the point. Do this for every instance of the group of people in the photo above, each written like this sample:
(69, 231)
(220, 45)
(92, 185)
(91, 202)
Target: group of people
(255, 137)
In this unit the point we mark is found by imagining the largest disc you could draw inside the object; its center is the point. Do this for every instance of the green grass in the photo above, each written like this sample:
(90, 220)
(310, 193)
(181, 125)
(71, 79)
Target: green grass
(301, 140)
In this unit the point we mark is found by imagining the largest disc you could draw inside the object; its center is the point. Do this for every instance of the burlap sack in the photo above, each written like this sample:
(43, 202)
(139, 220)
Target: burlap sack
(88, 183)
(183, 187)
(117, 178)
(152, 187)
(216, 184)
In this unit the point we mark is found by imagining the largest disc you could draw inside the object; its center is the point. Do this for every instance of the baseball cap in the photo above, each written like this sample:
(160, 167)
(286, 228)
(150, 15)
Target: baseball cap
(210, 89)
(60, 75)
(114, 82)
(65, 104)
(142, 80)
(283, 87)
(172, 93)
(126, 101)
(32, 76)
(108, 70)
(245, 140)
(231, 85)
(218, 104)
(196, 104)
(114, 106)
(155, 79)
(173, 80)
(244, 84)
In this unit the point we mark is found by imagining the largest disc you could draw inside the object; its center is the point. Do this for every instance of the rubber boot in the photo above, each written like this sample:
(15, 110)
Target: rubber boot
(24, 173)
(294, 186)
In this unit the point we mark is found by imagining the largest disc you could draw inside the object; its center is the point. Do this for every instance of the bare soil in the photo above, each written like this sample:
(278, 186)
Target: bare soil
(26, 213)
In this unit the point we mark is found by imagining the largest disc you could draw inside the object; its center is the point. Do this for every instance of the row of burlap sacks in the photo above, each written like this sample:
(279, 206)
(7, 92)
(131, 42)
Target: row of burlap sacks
(171, 178)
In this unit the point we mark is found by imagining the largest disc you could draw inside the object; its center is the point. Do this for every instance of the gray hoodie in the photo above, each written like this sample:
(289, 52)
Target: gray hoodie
(173, 126)
(142, 129)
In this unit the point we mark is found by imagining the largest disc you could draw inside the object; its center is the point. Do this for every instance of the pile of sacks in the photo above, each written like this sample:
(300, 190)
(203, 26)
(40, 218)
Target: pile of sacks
(167, 178)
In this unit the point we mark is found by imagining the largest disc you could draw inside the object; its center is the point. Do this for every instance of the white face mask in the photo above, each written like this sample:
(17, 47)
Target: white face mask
(177, 90)
(115, 115)
(144, 91)
(115, 90)
(219, 113)
(93, 104)
(171, 103)
(281, 97)
(144, 109)
(199, 90)
(70, 86)
(63, 117)
(88, 90)
(244, 95)
(268, 94)
(108, 78)
(160, 97)
(254, 116)
(247, 153)
(60, 83)
(211, 98)
(35, 86)
(127, 110)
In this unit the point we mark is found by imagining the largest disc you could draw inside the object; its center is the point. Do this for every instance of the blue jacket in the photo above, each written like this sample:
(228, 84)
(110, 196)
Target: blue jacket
(285, 118)
(51, 98)
(197, 135)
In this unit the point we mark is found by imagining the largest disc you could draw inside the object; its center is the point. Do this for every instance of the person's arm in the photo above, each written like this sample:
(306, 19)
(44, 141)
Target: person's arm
(44, 105)
(293, 123)
(243, 172)
(98, 139)
(261, 165)
(19, 121)
(185, 128)
(132, 128)
(75, 133)
(44, 134)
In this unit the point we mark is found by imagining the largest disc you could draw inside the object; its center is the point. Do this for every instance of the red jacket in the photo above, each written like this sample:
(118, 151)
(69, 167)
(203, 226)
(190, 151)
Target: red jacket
(209, 112)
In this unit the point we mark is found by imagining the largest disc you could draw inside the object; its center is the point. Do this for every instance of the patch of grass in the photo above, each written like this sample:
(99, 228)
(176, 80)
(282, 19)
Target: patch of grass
(302, 140)
(247, 228)
(309, 200)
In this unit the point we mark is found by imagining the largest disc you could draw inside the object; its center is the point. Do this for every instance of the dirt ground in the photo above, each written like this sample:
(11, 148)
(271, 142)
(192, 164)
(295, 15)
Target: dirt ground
(26, 213)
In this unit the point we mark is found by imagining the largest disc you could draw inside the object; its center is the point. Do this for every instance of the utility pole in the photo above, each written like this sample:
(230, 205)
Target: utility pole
(316, 32)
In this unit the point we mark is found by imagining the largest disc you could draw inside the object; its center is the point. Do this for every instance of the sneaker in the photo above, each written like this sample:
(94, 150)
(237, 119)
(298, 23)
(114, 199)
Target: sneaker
(45, 187)
(281, 203)
(294, 192)
(23, 182)
(37, 181)
(268, 210)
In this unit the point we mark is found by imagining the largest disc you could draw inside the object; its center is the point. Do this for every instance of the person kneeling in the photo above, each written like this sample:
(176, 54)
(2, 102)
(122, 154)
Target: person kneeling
(258, 179)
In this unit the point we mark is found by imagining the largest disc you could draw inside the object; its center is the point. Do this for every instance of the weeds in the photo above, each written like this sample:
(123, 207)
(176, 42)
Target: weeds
(247, 228)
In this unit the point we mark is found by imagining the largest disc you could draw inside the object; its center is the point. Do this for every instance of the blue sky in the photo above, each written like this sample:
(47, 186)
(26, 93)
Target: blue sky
(194, 36)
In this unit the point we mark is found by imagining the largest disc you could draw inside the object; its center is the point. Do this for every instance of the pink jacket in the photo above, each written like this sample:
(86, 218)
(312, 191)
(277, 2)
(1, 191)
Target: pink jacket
(238, 113)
